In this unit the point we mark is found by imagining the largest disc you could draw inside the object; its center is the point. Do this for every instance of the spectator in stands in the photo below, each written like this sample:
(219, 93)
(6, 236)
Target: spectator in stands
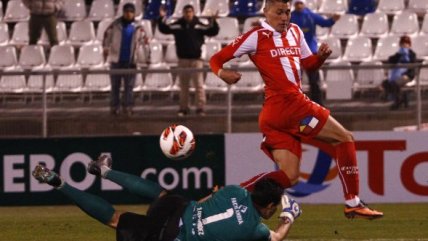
(43, 15)
(361, 7)
(307, 21)
(398, 77)
(121, 40)
(189, 34)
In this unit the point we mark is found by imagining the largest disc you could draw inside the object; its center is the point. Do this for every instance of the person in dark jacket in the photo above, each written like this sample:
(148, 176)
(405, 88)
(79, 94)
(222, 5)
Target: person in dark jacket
(307, 21)
(399, 77)
(189, 34)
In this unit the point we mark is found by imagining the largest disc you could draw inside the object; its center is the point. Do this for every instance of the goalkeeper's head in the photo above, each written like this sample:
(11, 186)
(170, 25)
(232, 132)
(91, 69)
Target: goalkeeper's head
(266, 196)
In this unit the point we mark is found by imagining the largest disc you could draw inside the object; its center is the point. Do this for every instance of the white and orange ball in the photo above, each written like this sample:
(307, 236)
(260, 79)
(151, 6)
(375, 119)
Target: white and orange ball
(177, 142)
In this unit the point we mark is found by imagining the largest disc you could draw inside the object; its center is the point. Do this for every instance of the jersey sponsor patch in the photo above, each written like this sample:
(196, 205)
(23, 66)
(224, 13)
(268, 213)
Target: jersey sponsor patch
(308, 124)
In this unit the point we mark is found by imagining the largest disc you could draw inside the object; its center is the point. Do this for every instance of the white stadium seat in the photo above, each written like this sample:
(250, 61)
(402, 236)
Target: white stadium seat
(229, 30)
(386, 47)
(375, 25)
(405, 23)
(423, 75)
(210, 48)
(333, 6)
(420, 46)
(322, 32)
(391, 7)
(339, 82)
(250, 81)
(101, 9)
(418, 6)
(8, 62)
(171, 55)
(335, 46)
(102, 27)
(73, 10)
(158, 82)
(81, 32)
(91, 56)
(250, 22)
(358, 49)
(213, 6)
(32, 56)
(178, 11)
(20, 34)
(164, 39)
(345, 27)
(16, 12)
(147, 26)
(156, 53)
(369, 78)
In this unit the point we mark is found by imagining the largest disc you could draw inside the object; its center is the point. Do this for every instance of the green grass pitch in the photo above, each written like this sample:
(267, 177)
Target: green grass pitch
(318, 222)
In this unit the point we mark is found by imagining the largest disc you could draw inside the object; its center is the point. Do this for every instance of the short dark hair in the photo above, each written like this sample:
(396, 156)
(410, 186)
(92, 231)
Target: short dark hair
(272, 1)
(405, 39)
(187, 6)
(266, 191)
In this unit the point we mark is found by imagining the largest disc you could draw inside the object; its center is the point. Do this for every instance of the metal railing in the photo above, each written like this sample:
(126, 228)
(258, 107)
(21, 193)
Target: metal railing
(229, 93)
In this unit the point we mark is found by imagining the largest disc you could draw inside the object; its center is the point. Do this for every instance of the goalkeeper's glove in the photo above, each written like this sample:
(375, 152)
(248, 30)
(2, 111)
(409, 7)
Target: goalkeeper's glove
(290, 209)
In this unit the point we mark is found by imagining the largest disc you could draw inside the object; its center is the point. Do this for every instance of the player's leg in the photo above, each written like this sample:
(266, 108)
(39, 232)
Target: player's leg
(334, 133)
(92, 205)
(134, 184)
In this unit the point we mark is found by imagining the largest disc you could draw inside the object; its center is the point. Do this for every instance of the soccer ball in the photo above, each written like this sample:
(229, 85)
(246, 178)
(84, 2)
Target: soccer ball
(177, 142)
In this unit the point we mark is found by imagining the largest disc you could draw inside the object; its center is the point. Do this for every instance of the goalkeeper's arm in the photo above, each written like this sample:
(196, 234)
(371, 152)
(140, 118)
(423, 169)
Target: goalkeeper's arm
(290, 211)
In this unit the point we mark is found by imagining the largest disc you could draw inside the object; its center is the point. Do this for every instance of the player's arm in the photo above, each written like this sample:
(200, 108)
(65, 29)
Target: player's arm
(244, 44)
(281, 231)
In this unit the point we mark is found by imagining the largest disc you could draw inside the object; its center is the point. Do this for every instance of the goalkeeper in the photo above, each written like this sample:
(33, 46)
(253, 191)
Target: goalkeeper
(231, 213)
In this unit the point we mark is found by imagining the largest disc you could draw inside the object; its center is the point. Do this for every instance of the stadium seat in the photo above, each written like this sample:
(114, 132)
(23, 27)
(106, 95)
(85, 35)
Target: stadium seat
(229, 30)
(424, 27)
(405, 23)
(212, 6)
(35, 83)
(16, 12)
(178, 10)
(250, 81)
(102, 27)
(151, 9)
(418, 6)
(73, 10)
(339, 82)
(91, 56)
(213, 84)
(147, 26)
(250, 22)
(61, 34)
(420, 46)
(244, 8)
(32, 56)
(391, 7)
(101, 9)
(358, 49)
(375, 25)
(386, 47)
(8, 62)
(4, 34)
(171, 55)
(209, 48)
(313, 5)
(335, 46)
(164, 39)
(81, 32)
(322, 32)
(142, 57)
(156, 53)
(20, 34)
(62, 58)
(158, 82)
(369, 78)
(345, 27)
(333, 6)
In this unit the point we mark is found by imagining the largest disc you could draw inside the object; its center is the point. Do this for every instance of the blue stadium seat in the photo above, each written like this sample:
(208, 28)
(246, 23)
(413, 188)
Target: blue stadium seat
(244, 8)
(151, 10)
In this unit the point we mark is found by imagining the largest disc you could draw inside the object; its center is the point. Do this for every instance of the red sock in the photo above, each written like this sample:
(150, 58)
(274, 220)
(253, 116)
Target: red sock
(348, 169)
(279, 176)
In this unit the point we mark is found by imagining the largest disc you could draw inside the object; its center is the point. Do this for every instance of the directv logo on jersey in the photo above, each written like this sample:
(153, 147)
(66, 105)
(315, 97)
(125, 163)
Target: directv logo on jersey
(290, 51)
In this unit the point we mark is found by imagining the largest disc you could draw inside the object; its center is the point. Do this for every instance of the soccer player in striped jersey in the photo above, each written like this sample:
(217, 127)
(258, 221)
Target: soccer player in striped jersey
(280, 52)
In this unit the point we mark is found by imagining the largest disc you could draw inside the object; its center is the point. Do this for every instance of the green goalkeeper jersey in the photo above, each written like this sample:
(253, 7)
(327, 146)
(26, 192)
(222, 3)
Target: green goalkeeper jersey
(228, 215)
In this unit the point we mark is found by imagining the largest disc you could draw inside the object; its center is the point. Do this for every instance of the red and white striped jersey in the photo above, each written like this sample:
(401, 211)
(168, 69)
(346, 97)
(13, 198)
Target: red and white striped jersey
(279, 57)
